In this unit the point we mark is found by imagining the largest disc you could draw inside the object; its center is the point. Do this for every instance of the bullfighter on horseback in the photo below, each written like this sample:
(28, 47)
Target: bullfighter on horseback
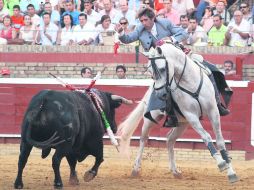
(150, 33)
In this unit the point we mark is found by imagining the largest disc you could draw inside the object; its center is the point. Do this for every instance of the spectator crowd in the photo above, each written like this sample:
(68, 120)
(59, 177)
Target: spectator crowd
(90, 22)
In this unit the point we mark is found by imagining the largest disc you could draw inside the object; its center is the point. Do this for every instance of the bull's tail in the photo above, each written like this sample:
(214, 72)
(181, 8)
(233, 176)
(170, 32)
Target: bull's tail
(130, 124)
(33, 117)
(51, 142)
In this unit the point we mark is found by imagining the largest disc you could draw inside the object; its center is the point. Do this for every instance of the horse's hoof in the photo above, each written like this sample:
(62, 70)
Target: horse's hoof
(223, 166)
(58, 185)
(177, 175)
(89, 175)
(135, 173)
(233, 178)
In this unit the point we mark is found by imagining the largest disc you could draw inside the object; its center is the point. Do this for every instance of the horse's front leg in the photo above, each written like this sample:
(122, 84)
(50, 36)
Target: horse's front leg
(215, 120)
(172, 136)
(143, 139)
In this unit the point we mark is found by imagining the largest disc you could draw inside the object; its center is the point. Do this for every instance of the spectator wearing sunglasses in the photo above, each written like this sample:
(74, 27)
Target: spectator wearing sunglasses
(245, 9)
(125, 24)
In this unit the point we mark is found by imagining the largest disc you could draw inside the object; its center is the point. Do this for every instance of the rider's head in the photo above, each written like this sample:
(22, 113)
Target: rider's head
(147, 17)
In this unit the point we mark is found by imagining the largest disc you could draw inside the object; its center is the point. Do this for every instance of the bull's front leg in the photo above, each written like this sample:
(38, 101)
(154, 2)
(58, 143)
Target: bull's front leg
(56, 161)
(25, 150)
(90, 174)
(73, 174)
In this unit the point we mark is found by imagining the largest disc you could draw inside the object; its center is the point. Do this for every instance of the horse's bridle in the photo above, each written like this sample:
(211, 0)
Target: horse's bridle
(168, 83)
(157, 74)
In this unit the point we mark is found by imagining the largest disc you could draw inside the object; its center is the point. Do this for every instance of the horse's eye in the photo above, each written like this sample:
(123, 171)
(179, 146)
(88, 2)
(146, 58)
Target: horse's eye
(162, 70)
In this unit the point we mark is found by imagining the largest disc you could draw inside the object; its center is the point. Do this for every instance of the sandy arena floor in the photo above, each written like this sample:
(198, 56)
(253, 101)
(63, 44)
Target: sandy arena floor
(114, 174)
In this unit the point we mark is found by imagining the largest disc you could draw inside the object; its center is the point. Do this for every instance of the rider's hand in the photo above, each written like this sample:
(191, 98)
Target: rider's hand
(118, 28)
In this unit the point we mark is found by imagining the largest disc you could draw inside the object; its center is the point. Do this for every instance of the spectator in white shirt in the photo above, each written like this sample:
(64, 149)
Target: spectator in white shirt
(109, 9)
(35, 18)
(84, 32)
(197, 35)
(238, 31)
(183, 7)
(48, 32)
(102, 29)
(92, 16)
(127, 13)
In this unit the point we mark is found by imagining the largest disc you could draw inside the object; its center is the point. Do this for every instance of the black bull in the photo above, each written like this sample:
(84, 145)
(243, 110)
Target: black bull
(70, 123)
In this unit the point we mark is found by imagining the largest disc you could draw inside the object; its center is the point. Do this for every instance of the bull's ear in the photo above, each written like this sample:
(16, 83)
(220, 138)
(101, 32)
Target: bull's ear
(159, 50)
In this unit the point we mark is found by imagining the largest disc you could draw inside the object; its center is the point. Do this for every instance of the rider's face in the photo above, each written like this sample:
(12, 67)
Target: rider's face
(147, 22)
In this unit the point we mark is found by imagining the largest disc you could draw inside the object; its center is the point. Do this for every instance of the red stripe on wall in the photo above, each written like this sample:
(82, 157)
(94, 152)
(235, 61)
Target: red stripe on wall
(72, 57)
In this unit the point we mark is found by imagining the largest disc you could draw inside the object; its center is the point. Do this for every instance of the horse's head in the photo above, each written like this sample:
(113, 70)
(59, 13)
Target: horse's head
(158, 67)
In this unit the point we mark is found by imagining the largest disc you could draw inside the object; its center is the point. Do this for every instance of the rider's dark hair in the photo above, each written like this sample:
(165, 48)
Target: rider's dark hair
(146, 12)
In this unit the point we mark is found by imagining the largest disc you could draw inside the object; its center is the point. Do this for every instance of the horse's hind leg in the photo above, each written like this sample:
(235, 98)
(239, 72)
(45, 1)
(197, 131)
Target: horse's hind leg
(172, 136)
(215, 120)
(143, 139)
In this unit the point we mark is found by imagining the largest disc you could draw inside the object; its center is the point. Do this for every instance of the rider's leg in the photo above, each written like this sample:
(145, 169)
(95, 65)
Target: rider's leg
(223, 111)
(171, 120)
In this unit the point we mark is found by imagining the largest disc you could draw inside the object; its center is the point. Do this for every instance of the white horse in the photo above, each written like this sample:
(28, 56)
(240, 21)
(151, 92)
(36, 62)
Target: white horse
(175, 72)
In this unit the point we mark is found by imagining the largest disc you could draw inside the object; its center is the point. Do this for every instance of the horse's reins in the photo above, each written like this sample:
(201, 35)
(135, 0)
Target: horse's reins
(167, 85)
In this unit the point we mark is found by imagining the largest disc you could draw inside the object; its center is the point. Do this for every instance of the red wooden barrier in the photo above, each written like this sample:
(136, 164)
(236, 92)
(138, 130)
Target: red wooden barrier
(237, 128)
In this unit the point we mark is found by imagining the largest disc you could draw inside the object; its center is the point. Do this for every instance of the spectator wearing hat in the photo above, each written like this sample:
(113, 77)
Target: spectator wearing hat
(121, 72)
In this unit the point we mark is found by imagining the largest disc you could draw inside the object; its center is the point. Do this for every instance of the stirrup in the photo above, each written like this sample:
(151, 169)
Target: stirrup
(170, 122)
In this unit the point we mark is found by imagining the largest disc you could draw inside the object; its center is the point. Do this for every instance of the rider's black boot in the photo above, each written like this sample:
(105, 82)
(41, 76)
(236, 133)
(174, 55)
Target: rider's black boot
(222, 109)
(171, 120)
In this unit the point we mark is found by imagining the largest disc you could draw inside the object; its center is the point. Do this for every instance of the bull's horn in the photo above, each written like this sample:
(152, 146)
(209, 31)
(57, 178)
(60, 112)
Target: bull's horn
(124, 100)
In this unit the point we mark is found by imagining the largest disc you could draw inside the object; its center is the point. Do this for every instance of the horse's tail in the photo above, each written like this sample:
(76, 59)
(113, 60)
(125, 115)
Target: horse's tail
(130, 124)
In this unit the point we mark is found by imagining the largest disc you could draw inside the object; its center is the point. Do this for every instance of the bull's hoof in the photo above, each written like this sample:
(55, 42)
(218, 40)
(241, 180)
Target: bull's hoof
(223, 166)
(233, 178)
(73, 180)
(89, 175)
(18, 185)
(58, 185)
(135, 173)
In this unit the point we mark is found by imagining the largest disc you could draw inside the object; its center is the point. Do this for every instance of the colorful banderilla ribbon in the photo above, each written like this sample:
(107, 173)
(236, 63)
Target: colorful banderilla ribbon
(97, 102)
